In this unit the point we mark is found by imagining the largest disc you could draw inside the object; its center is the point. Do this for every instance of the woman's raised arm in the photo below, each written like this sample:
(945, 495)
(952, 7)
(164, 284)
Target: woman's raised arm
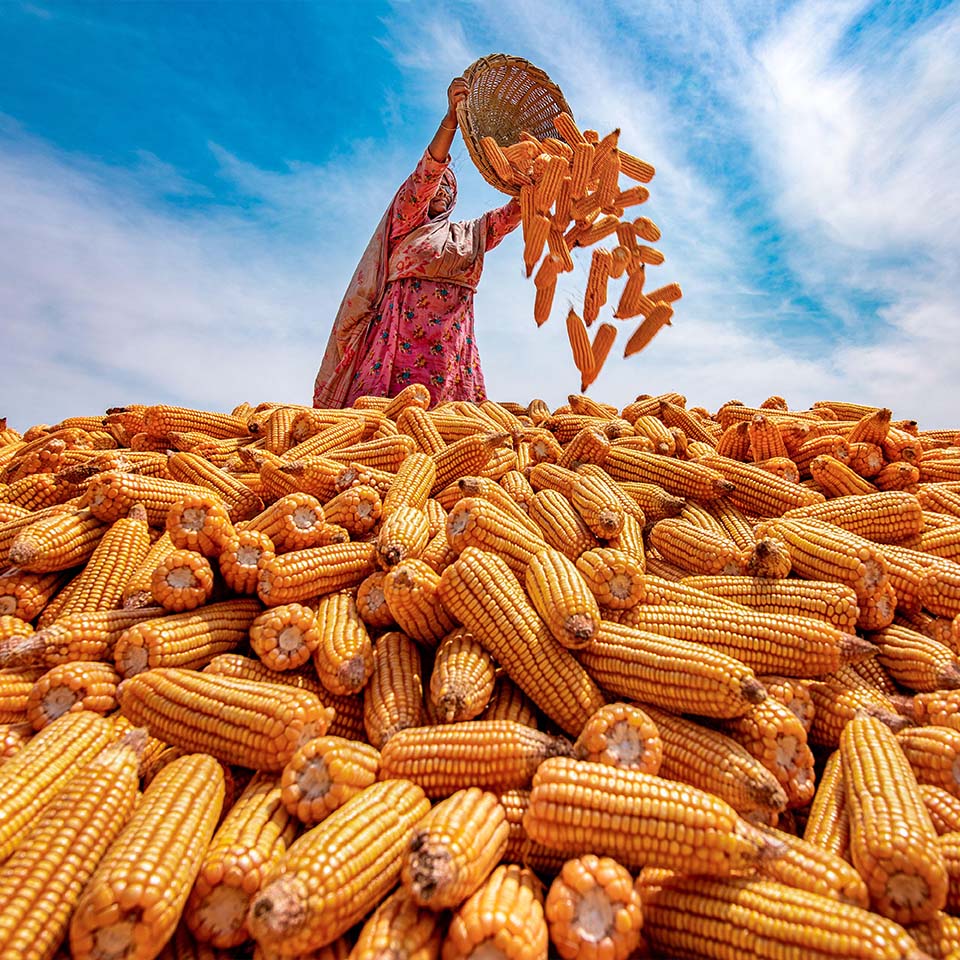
(443, 139)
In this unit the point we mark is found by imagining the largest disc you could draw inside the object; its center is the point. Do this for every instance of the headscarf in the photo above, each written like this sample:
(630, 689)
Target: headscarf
(438, 249)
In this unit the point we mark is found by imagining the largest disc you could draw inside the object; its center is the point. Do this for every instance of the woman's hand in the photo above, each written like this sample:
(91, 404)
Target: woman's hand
(456, 94)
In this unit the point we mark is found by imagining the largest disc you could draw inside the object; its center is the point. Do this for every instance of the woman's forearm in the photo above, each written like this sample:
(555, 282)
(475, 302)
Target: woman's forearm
(442, 140)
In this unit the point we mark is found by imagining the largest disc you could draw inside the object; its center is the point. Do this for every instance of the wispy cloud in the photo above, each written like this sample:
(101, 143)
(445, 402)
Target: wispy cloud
(806, 188)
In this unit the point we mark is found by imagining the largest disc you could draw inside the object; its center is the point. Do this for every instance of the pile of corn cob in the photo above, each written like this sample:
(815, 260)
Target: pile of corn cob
(480, 681)
(570, 197)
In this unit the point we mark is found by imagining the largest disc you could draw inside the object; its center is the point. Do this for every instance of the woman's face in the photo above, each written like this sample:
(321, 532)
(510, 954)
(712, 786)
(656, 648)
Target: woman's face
(442, 199)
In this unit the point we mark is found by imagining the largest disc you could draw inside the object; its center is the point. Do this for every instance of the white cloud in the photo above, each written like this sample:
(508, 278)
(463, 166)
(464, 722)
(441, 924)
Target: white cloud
(109, 295)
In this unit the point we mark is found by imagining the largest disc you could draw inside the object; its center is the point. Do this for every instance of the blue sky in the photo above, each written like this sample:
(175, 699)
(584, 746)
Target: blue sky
(185, 189)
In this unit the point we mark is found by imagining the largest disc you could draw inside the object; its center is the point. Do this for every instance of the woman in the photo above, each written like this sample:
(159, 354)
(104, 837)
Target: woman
(407, 316)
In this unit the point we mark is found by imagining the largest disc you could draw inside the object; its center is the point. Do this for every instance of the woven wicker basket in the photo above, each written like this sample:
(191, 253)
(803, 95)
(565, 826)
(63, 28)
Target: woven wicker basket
(508, 95)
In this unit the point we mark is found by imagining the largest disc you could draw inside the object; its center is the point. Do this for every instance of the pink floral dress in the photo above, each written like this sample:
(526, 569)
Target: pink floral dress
(422, 331)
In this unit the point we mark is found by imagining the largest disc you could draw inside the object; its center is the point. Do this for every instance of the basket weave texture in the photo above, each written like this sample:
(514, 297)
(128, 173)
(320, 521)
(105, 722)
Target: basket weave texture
(508, 95)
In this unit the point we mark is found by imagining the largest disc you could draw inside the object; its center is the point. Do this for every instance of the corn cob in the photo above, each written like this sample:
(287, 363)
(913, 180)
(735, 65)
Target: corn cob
(72, 687)
(897, 476)
(344, 657)
(775, 736)
(137, 589)
(453, 849)
(462, 679)
(200, 523)
(285, 637)
(486, 489)
(293, 522)
(182, 581)
(824, 600)
(560, 524)
(713, 762)
(793, 694)
(884, 517)
(915, 660)
(372, 604)
(101, 584)
(621, 735)
(42, 768)
(13, 737)
(907, 882)
(303, 574)
(615, 577)
(676, 477)
(562, 598)
(696, 550)
(16, 686)
(415, 422)
(258, 725)
(578, 807)
(836, 479)
(36, 491)
(593, 910)
(56, 542)
(632, 663)
(766, 642)
(805, 866)
(184, 802)
(491, 754)
(828, 825)
(383, 453)
(324, 886)
(393, 697)
(112, 494)
(402, 536)
(400, 929)
(480, 591)
(866, 459)
(41, 883)
(465, 457)
(160, 420)
(410, 591)
(239, 558)
(505, 915)
(247, 845)
(241, 503)
(943, 807)
(686, 919)
(324, 773)
(188, 640)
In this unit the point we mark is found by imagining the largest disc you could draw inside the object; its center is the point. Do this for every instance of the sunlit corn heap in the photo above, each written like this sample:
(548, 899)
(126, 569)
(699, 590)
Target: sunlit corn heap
(486, 681)
(570, 197)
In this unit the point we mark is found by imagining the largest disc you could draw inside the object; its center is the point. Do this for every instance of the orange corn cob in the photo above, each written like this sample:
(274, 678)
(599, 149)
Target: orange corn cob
(840, 696)
(838, 480)
(13, 737)
(827, 824)
(136, 590)
(517, 638)
(897, 476)
(101, 584)
(249, 842)
(907, 882)
(934, 755)
(285, 637)
(508, 702)
(72, 687)
(866, 459)
(293, 522)
(161, 419)
(871, 427)
(188, 640)
(111, 495)
(885, 517)
(593, 910)
(578, 807)
(686, 918)
(486, 489)
(462, 679)
(393, 697)
(182, 581)
(16, 686)
(56, 542)
(344, 657)
(239, 559)
(615, 577)
(323, 887)
(703, 758)
(480, 524)
(401, 929)
(41, 883)
(324, 773)
(677, 477)
(303, 574)
(24, 595)
(259, 725)
(383, 453)
(697, 550)
(372, 604)
(403, 536)
(621, 735)
(187, 793)
(453, 849)
(943, 807)
(562, 598)
(915, 660)
(410, 591)
(43, 767)
(491, 754)
(240, 501)
(561, 525)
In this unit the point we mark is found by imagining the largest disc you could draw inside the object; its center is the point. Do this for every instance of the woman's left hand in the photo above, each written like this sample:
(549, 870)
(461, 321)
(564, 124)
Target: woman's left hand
(456, 93)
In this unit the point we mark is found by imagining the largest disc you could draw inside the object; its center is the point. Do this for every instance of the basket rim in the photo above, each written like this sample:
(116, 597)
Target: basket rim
(467, 121)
